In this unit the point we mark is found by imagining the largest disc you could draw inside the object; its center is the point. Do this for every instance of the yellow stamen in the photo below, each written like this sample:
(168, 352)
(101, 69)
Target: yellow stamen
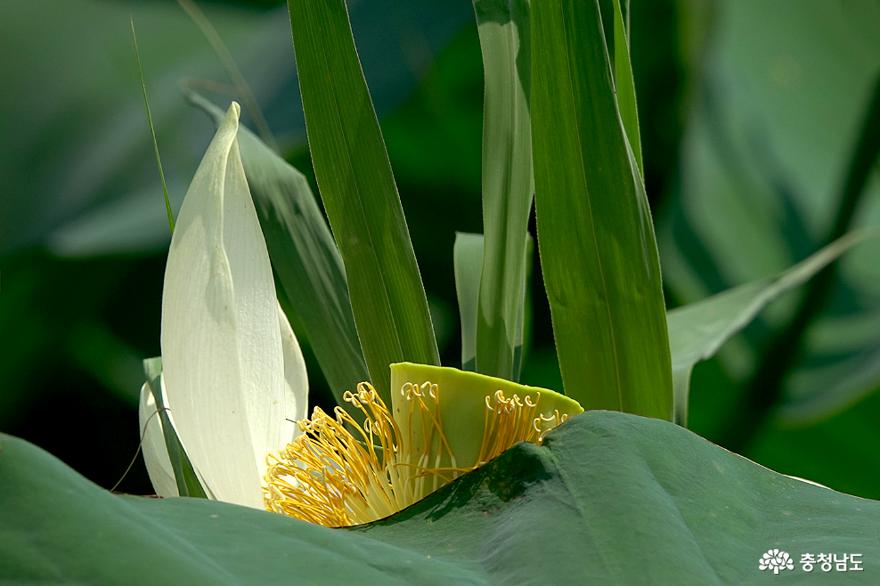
(340, 473)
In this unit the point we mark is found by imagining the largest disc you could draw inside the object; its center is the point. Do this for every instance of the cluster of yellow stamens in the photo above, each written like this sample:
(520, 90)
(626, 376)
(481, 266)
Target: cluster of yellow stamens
(511, 420)
(339, 472)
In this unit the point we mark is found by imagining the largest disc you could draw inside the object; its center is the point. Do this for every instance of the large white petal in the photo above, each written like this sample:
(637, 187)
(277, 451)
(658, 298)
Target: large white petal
(153, 446)
(295, 375)
(221, 343)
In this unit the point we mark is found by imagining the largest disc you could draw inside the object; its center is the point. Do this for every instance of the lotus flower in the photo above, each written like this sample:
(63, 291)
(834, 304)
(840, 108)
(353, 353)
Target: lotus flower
(233, 377)
(442, 422)
(235, 387)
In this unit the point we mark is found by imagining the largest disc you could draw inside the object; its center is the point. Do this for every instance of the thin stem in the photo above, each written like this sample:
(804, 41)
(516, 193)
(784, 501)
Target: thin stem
(149, 113)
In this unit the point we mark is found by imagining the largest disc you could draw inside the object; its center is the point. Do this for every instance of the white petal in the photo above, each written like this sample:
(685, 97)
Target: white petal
(153, 446)
(295, 376)
(221, 344)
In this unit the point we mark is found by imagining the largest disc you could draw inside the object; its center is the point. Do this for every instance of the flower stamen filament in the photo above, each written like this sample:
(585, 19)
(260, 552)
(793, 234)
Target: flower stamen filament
(342, 472)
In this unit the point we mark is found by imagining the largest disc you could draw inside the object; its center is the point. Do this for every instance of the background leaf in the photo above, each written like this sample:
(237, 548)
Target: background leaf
(508, 182)
(168, 211)
(468, 263)
(305, 259)
(697, 331)
(598, 251)
(95, 170)
(359, 193)
(773, 120)
(535, 514)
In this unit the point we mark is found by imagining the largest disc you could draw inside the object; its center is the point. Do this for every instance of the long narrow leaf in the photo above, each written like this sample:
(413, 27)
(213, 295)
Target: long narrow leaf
(304, 257)
(615, 25)
(597, 243)
(468, 262)
(149, 113)
(697, 331)
(508, 183)
(188, 483)
(359, 193)
(524, 319)
(625, 85)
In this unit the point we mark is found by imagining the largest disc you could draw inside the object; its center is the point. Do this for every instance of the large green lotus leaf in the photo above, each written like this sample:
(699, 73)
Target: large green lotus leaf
(609, 498)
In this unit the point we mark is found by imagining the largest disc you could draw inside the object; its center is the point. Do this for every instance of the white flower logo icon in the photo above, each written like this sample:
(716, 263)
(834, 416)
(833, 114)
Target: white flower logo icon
(776, 560)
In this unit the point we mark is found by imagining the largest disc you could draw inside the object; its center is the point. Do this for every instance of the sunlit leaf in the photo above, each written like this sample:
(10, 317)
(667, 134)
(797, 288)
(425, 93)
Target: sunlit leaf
(508, 182)
(625, 85)
(359, 192)
(598, 250)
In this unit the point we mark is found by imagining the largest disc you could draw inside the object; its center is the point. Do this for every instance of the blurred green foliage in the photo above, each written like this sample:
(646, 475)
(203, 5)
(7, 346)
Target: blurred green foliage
(749, 113)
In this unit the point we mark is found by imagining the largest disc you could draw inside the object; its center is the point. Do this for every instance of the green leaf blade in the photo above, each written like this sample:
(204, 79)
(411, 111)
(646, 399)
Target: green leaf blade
(359, 192)
(188, 483)
(698, 330)
(467, 255)
(508, 182)
(468, 262)
(595, 235)
(149, 113)
(625, 86)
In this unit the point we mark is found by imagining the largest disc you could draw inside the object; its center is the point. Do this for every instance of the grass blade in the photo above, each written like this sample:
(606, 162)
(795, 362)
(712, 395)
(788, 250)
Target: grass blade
(359, 192)
(307, 264)
(596, 239)
(508, 183)
(149, 113)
